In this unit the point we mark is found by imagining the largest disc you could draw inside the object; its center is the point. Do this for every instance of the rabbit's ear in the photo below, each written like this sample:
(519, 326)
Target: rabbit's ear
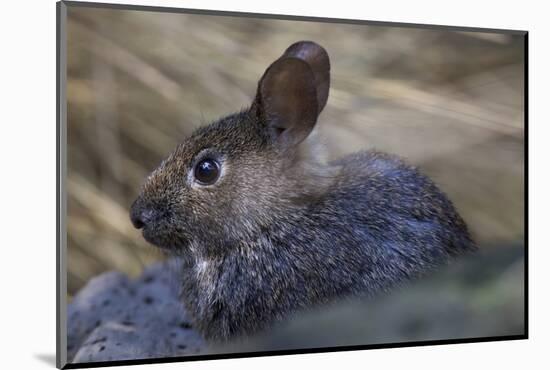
(317, 59)
(293, 91)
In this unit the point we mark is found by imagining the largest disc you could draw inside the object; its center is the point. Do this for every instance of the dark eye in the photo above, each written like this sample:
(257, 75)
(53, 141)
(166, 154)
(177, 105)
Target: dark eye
(207, 171)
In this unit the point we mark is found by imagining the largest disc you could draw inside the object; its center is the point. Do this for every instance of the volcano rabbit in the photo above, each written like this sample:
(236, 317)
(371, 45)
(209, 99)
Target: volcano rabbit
(265, 227)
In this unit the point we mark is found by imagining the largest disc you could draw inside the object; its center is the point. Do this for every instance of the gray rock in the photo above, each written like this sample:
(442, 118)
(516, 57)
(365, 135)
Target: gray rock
(116, 318)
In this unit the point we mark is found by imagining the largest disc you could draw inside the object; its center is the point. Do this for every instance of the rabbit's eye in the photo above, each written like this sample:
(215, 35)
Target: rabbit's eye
(207, 171)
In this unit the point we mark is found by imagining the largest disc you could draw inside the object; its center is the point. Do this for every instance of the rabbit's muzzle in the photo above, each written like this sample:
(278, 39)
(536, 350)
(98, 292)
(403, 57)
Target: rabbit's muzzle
(153, 224)
(142, 216)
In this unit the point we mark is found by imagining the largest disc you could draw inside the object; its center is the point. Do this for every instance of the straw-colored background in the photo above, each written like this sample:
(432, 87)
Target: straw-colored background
(138, 82)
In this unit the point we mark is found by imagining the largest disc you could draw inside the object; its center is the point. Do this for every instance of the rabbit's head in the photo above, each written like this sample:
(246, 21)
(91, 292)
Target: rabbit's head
(239, 175)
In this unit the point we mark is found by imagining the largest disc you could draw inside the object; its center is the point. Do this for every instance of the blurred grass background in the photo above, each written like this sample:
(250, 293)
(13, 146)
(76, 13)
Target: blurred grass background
(138, 82)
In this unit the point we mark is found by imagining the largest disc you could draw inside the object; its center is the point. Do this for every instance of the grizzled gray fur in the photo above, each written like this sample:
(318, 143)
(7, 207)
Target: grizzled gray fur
(265, 227)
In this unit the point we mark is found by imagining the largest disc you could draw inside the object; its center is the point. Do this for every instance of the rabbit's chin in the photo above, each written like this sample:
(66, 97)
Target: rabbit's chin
(167, 243)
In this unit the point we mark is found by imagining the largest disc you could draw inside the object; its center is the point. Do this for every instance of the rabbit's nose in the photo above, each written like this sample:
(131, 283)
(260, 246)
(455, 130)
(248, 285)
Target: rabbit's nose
(140, 216)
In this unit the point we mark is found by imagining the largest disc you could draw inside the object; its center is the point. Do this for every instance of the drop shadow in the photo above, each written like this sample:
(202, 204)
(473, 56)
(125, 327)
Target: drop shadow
(47, 358)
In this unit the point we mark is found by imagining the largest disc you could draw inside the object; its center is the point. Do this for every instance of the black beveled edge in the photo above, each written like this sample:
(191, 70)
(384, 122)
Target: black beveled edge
(526, 180)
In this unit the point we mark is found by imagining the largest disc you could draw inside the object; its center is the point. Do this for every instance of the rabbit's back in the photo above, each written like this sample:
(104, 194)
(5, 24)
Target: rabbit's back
(394, 213)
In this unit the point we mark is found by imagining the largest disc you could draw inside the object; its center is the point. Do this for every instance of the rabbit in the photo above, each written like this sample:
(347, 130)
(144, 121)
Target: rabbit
(264, 226)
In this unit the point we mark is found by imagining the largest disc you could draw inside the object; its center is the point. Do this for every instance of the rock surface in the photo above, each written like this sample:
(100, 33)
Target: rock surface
(116, 318)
